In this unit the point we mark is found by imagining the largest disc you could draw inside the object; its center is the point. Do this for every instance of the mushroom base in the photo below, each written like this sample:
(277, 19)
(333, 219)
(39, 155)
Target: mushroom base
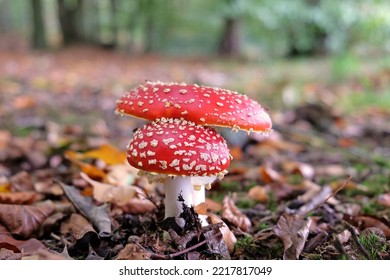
(174, 188)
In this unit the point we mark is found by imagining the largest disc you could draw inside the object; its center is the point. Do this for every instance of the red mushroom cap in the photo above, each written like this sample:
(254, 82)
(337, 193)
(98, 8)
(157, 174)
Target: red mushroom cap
(199, 104)
(178, 147)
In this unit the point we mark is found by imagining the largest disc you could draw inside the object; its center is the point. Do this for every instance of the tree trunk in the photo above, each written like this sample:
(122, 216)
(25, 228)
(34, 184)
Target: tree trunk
(230, 42)
(38, 33)
(150, 26)
(68, 21)
(114, 23)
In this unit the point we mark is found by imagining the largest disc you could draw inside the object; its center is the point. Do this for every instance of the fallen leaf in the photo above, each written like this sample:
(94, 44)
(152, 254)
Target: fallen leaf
(119, 195)
(365, 221)
(98, 215)
(22, 181)
(107, 153)
(307, 171)
(258, 193)
(293, 230)
(384, 199)
(6, 254)
(91, 170)
(228, 237)
(344, 236)
(26, 247)
(48, 187)
(23, 220)
(231, 213)
(138, 205)
(26, 197)
(45, 254)
(269, 175)
(133, 251)
(236, 153)
(121, 175)
(81, 230)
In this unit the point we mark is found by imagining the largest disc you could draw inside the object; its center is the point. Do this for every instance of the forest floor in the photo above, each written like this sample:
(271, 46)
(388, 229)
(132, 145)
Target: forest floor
(317, 188)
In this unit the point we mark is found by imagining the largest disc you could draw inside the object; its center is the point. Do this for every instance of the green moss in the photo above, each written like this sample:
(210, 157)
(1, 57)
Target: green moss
(374, 244)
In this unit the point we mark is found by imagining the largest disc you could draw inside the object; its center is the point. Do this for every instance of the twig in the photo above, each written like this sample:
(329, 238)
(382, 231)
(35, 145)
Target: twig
(340, 248)
(333, 193)
(192, 247)
(176, 254)
(356, 240)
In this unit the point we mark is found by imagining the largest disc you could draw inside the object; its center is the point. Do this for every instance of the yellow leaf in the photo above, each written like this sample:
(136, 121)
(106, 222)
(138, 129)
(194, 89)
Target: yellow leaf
(107, 153)
(5, 187)
(91, 170)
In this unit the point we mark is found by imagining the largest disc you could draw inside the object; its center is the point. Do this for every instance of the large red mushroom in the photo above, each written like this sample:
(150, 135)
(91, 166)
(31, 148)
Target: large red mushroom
(181, 154)
(208, 106)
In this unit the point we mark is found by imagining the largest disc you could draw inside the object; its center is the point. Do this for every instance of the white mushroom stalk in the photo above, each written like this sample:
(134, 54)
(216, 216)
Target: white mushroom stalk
(175, 187)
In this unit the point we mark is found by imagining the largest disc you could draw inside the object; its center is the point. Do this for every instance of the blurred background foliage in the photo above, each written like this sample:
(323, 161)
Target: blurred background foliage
(251, 29)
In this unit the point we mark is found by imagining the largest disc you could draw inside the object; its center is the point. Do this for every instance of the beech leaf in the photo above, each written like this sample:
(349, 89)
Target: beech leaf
(231, 213)
(24, 220)
(81, 230)
(293, 230)
(98, 215)
(228, 237)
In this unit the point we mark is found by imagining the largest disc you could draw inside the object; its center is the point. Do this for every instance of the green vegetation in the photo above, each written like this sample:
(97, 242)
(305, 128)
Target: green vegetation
(374, 245)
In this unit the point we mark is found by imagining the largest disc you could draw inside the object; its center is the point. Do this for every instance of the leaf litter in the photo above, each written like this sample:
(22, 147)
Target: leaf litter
(66, 191)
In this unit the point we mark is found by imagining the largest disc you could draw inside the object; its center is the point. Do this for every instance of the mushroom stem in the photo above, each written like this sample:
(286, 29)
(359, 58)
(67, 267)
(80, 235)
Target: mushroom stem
(175, 187)
(199, 196)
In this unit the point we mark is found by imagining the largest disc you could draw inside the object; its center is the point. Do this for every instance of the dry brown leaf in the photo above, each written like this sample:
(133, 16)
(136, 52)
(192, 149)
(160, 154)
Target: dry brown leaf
(293, 230)
(384, 199)
(344, 236)
(29, 246)
(363, 222)
(133, 251)
(138, 205)
(119, 195)
(22, 181)
(26, 197)
(332, 170)
(201, 208)
(307, 171)
(231, 213)
(208, 205)
(130, 198)
(269, 175)
(45, 254)
(24, 220)
(228, 236)
(98, 215)
(81, 230)
(6, 254)
(91, 170)
(258, 193)
(48, 187)
(121, 175)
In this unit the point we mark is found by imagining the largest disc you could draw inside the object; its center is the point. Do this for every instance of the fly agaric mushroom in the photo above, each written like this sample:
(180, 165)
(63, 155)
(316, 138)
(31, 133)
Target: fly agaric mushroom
(181, 154)
(208, 106)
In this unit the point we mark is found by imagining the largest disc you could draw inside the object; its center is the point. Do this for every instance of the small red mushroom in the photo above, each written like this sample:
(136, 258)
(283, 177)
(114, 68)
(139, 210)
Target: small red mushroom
(180, 153)
(208, 106)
